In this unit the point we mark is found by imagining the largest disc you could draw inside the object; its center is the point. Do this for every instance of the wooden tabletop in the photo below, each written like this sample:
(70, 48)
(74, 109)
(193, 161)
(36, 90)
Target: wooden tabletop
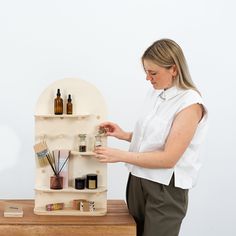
(116, 222)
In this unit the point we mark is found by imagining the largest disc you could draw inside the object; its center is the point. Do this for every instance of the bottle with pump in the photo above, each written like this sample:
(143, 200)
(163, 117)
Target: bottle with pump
(69, 106)
(58, 104)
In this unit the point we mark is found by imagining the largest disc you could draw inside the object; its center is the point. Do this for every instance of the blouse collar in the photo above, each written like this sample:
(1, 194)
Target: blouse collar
(170, 93)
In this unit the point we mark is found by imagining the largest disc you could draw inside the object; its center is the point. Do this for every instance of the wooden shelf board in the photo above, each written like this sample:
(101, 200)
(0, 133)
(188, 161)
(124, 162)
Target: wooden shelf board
(83, 153)
(70, 212)
(48, 116)
(71, 190)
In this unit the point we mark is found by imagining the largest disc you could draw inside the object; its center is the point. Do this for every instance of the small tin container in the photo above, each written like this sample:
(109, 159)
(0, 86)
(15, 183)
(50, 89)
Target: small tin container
(55, 206)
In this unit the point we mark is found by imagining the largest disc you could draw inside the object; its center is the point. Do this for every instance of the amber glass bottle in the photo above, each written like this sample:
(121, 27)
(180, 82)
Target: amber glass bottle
(69, 106)
(58, 104)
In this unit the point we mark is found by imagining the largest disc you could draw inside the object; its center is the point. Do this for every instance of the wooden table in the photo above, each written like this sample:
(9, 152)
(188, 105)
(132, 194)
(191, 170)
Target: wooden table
(117, 222)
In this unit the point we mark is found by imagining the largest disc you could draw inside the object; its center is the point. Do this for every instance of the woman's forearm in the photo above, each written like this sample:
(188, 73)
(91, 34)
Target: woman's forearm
(127, 136)
(159, 159)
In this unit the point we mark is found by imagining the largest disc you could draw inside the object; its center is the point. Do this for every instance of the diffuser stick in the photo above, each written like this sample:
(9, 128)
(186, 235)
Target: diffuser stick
(54, 161)
(64, 163)
(48, 157)
(58, 161)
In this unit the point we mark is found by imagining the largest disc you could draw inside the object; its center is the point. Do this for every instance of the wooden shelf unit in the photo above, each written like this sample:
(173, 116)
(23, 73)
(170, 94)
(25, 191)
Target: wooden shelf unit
(62, 132)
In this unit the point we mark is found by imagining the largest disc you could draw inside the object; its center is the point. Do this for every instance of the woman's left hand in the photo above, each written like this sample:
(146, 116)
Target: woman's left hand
(108, 155)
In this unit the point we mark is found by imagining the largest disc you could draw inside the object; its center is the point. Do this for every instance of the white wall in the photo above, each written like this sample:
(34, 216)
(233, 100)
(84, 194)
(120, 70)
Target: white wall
(102, 42)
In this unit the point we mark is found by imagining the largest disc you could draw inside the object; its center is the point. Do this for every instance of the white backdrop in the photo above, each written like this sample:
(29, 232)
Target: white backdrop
(102, 42)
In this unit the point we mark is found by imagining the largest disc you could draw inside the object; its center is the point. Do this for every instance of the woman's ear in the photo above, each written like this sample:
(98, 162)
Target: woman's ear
(174, 70)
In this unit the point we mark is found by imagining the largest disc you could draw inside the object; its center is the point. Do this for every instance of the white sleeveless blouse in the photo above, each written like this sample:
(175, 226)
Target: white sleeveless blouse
(152, 129)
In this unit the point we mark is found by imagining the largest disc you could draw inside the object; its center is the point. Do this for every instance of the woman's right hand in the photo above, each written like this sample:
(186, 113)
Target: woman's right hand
(114, 130)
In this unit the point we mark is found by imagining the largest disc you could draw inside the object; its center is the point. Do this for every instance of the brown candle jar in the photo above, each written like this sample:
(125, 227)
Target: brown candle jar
(56, 182)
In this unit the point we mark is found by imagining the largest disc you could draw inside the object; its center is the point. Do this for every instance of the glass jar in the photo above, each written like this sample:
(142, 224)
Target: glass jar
(56, 182)
(82, 143)
(98, 141)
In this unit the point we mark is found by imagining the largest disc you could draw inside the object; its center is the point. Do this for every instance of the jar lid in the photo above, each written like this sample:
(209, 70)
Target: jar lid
(80, 178)
(92, 175)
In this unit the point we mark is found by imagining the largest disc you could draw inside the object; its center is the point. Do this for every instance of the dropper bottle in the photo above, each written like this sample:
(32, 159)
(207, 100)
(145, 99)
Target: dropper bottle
(58, 104)
(69, 106)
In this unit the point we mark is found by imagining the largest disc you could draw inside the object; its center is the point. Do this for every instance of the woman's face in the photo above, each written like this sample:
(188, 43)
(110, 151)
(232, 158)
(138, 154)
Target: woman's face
(160, 77)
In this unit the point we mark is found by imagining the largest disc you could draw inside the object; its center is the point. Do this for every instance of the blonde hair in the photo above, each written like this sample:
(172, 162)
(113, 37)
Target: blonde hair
(166, 53)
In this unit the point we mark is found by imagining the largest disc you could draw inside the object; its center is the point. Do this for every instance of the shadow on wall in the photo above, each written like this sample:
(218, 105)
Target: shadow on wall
(10, 147)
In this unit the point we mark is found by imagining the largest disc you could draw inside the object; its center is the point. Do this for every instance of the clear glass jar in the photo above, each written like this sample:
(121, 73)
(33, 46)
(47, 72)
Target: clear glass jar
(98, 141)
(82, 143)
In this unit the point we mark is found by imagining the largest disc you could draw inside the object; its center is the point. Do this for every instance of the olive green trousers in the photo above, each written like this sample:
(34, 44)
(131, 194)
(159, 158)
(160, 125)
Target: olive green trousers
(157, 209)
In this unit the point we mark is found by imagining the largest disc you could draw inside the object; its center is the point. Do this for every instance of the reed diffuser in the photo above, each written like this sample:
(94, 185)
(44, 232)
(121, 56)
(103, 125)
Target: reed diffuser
(57, 165)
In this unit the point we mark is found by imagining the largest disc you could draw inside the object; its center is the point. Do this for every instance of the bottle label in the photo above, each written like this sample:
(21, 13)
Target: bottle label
(92, 184)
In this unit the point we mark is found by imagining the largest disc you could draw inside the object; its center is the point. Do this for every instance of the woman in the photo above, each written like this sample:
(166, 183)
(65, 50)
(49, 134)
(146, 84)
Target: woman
(163, 158)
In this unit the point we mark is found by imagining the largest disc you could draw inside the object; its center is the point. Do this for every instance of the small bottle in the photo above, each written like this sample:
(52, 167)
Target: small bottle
(82, 143)
(58, 104)
(69, 106)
